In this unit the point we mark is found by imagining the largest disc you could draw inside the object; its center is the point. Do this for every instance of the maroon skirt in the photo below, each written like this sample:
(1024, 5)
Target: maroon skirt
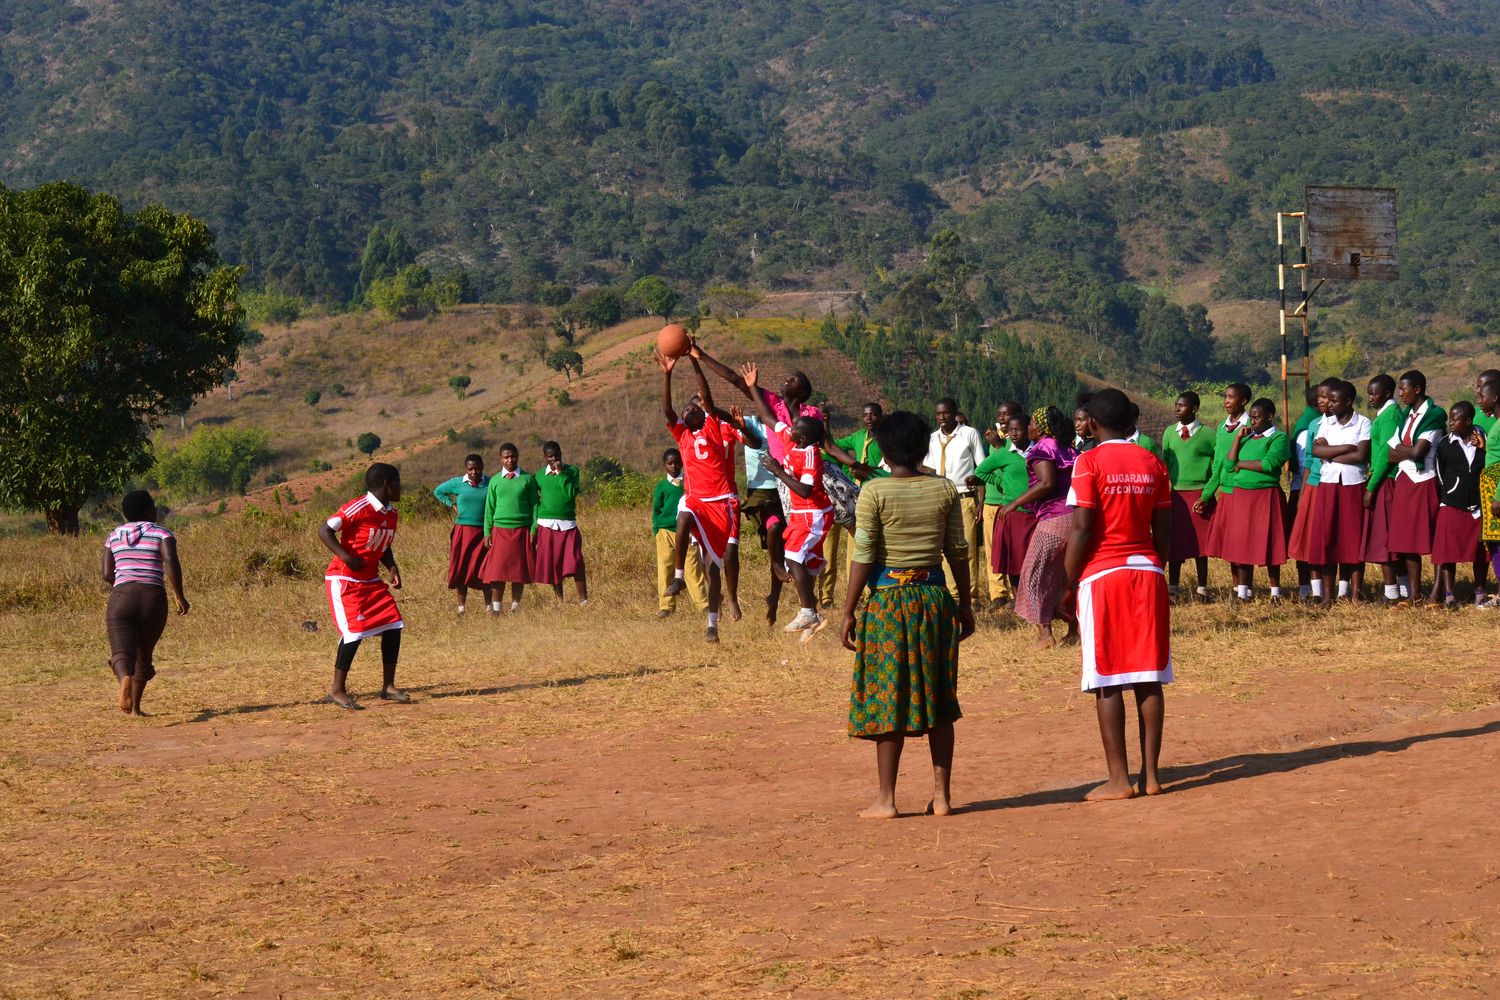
(1254, 532)
(1456, 536)
(1009, 540)
(1335, 526)
(509, 558)
(559, 555)
(1190, 531)
(1218, 519)
(1376, 543)
(466, 554)
(1299, 538)
(1413, 516)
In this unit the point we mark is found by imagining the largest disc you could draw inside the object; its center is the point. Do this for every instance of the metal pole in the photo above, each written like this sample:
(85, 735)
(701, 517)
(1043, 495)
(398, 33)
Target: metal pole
(1281, 288)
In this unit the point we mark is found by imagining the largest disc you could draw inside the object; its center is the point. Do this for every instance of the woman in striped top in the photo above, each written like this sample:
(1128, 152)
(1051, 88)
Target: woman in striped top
(140, 562)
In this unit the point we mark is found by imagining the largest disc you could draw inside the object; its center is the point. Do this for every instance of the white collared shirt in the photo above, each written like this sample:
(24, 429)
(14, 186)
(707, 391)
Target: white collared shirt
(964, 450)
(1179, 427)
(1331, 431)
(375, 502)
(1408, 468)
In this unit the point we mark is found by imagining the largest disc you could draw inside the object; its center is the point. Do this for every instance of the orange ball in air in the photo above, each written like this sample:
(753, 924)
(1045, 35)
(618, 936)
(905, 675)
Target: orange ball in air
(673, 341)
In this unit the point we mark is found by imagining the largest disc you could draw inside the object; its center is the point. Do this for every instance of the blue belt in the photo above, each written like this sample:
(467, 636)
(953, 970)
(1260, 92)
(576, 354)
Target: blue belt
(888, 577)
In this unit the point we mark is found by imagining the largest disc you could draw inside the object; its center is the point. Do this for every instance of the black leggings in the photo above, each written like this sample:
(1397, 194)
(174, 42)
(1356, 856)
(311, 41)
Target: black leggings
(134, 620)
(390, 651)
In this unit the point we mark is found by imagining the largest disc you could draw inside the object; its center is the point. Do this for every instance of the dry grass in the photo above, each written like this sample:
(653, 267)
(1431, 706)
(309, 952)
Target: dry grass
(594, 801)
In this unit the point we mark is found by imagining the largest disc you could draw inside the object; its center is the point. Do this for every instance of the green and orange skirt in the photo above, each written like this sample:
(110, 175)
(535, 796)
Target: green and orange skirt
(906, 666)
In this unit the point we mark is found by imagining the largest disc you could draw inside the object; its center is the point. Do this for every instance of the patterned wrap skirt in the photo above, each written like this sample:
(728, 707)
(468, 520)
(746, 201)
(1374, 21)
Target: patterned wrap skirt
(1039, 591)
(906, 668)
(1489, 488)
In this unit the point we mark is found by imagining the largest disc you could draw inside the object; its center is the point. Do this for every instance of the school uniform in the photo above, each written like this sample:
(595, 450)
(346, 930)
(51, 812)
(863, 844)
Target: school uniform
(1457, 532)
(1337, 519)
(808, 519)
(1144, 441)
(665, 500)
(1309, 472)
(1003, 473)
(509, 510)
(1414, 504)
(1381, 482)
(1255, 533)
(466, 549)
(1188, 453)
(1220, 485)
(558, 549)
(1300, 456)
(360, 600)
(1124, 617)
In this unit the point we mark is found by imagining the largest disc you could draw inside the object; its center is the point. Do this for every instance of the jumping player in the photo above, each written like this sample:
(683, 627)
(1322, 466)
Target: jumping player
(1117, 552)
(359, 535)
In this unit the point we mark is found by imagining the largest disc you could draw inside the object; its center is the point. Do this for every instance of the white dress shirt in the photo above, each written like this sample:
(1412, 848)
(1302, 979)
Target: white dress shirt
(955, 455)
(1331, 431)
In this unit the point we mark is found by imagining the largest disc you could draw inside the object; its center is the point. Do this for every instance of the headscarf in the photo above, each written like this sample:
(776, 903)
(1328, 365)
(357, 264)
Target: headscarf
(1049, 419)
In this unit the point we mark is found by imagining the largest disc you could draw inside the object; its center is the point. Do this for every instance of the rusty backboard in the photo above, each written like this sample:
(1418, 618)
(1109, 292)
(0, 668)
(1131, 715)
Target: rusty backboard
(1351, 233)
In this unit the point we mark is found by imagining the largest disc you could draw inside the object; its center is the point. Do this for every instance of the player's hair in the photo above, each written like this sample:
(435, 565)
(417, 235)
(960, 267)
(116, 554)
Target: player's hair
(1329, 382)
(1014, 405)
(873, 405)
(1386, 384)
(806, 382)
(551, 448)
(1191, 397)
(1489, 375)
(507, 446)
(1264, 404)
(380, 474)
(947, 401)
(1025, 420)
(1492, 384)
(1239, 389)
(903, 438)
(137, 505)
(473, 456)
(1415, 378)
(1343, 388)
(812, 430)
(1111, 409)
(1463, 408)
(1310, 394)
(669, 453)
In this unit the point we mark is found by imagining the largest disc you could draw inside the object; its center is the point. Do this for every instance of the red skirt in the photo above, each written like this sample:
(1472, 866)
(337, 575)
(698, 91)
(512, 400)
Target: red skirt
(1218, 521)
(466, 554)
(1335, 526)
(1414, 509)
(1456, 537)
(558, 555)
(509, 558)
(362, 608)
(1009, 540)
(1190, 531)
(1254, 532)
(1299, 538)
(1376, 543)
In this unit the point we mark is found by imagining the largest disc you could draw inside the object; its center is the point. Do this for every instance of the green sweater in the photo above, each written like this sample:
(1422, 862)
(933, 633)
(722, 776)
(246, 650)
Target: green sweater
(1189, 462)
(855, 442)
(458, 493)
(664, 501)
(557, 495)
(1003, 473)
(1381, 429)
(1220, 476)
(510, 503)
(1272, 452)
(1491, 447)
(1144, 440)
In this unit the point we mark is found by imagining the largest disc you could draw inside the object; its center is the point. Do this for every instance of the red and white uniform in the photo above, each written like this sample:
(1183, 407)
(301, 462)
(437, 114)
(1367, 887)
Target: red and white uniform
(361, 602)
(709, 493)
(1123, 616)
(808, 519)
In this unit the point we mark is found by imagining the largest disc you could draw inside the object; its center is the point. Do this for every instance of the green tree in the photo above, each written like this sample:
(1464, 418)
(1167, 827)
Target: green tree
(368, 442)
(1178, 348)
(110, 319)
(227, 379)
(653, 296)
(553, 293)
(312, 397)
(407, 294)
(460, 384)
(600, 307)
(567, 361)
(733, 299)
(213, 460)
(271, 307)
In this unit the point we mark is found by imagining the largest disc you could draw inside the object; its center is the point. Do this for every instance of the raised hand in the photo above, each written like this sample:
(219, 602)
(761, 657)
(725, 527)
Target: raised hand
(750, 374)
(665, 363)
(694, 351)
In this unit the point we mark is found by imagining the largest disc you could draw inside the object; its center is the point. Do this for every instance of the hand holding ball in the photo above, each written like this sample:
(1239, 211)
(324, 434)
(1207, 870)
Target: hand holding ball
(673, 341)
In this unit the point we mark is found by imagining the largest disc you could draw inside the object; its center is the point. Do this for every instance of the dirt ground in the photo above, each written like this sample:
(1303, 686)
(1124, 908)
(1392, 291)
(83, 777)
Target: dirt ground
(592, 802)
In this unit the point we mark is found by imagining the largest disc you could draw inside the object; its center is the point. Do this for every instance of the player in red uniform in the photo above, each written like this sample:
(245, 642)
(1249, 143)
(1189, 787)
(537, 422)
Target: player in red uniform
(359, 535)
(811, 513)
(1122, 527)
(709, 514)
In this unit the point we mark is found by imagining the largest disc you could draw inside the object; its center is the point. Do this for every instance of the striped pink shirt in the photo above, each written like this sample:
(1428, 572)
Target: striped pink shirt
(138, 548)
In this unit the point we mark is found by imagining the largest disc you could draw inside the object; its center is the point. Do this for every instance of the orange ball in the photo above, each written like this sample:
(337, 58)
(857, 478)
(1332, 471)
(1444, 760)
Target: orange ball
(673, 341)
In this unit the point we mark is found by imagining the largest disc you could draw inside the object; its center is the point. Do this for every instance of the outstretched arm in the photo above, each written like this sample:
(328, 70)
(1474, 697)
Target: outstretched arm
(705, 391)
(666, 364)
(736, 416)
(720, 369)
(752, 383)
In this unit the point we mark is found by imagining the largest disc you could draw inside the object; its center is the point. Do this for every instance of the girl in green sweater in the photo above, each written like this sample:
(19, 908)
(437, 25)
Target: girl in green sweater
(1187, 448)
(1254, 529)
(558, 552)
(509, 509)
(464, 496)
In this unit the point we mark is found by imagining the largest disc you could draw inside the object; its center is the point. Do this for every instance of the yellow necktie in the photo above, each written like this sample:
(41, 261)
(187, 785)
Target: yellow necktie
(943, 452)
(864, 449)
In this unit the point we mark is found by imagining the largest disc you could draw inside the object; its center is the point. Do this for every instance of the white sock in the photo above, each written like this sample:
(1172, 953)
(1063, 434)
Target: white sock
(514, 606)
(1201, 591)
(1343, 588)
(809, 612)
(1303, 590)
(583, 603)
(713, 619)
(1317, 588)
(1392, 592)
(1404, 582)
(494, 605)
(460, 609)
(1275, 591)
(1242, 592)
(678, 574)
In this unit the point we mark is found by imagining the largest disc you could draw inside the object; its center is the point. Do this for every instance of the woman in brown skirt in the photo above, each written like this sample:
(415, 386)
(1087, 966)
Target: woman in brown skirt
(140, 562)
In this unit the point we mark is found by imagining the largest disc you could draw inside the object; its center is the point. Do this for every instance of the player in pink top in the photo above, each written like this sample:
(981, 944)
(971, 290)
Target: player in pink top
(360, 535)
(1122, 527)
(140, 563)
(811, 513)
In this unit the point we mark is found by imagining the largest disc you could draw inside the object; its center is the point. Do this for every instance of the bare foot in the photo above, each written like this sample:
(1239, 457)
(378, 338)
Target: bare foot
(125, 694)
(771, 610)
(1110, 793)
(1151, 787)
(1070, 639)
(939, 806)
(878, 811)
(734, 610)
(1047, 642)
(781, 573)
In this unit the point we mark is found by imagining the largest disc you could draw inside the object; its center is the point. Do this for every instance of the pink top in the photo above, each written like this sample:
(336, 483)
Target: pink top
(784, 415)
(138, 548)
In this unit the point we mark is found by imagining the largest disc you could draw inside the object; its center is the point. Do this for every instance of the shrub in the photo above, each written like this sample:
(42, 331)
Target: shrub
(630, 489)
(368, 442)
(311, 397)
(213, 460)
(460, 385)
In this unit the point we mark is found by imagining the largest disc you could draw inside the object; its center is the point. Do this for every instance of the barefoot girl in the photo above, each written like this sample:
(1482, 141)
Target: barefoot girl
(1041, 591)
(1188, 450)
(906, 640)
(1254, 530)
(558, 552)
(359, 535)
(1117, 552)
(509, 509)
(465, 495)
(140, 562)
(1460, 460)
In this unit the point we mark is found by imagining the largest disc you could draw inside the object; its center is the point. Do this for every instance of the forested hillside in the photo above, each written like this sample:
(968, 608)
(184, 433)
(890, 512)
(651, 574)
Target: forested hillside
(1098, 167)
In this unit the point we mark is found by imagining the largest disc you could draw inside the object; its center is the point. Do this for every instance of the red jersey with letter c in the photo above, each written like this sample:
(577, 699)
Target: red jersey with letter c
(365, 529)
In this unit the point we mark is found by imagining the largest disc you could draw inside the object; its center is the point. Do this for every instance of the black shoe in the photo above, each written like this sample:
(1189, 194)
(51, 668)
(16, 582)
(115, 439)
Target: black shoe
(711, 634)
(677, 586)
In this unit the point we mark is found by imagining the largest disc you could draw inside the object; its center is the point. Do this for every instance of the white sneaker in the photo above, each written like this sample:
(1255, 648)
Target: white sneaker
(1490, 604)
(805, 619)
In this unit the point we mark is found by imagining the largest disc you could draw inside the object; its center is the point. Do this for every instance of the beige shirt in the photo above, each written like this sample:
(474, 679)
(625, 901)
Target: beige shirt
(909, 523)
